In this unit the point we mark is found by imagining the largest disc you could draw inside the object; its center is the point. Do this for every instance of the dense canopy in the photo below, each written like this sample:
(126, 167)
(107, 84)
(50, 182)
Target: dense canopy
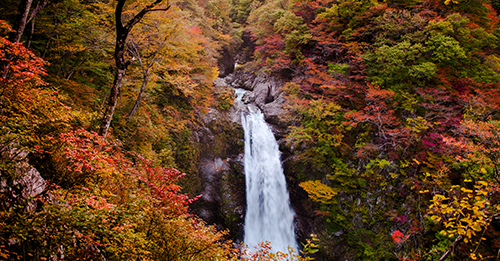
(391, 138)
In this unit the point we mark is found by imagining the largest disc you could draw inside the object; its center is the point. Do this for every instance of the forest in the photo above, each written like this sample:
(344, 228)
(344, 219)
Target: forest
(389, 127)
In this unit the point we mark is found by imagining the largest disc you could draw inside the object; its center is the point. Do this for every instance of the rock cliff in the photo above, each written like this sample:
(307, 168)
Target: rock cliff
(221, 167)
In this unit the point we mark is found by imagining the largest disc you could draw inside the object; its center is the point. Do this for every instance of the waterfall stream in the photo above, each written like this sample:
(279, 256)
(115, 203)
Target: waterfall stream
(269, 216)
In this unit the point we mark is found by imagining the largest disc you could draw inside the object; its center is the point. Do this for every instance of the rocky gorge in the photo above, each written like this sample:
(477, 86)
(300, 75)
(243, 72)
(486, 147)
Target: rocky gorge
(220, 166)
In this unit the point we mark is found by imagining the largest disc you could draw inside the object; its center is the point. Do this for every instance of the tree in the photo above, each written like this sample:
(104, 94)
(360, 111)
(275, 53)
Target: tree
(122, 32)
(147, 68)
(20, 23)
(151, 44)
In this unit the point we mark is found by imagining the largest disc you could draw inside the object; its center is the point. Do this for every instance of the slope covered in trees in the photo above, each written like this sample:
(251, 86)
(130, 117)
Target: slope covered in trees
(393, 108)
(100, 199)
(397, 122)
(71, 189)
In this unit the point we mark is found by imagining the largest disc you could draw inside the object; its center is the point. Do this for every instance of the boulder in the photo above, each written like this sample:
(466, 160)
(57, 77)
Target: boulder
(242, 80)
(28, 184)
(273, 112)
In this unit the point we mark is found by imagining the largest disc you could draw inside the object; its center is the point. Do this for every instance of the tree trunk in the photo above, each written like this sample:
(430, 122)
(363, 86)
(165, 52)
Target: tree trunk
(18, 29)
(21, 21)
(139, 97)
(121, 63)
(121, 68)
(19, 26)
(31, 19)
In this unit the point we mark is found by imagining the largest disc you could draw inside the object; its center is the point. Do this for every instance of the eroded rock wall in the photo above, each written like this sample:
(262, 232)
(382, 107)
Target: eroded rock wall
(221, 166)
(222, 141)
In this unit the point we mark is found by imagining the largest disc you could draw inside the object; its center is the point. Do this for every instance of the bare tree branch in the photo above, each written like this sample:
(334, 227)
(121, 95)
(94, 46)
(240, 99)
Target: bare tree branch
(447, 253)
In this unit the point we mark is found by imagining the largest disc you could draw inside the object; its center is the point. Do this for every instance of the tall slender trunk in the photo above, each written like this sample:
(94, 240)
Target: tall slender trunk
(139, 97)
(18, 29)
(122, 32)
(19, 25)
(121, 68)
(52, 33)
(21, 21)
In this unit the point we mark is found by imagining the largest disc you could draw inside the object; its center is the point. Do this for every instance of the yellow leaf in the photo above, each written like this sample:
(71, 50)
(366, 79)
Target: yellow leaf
(466, 220)
(318, 191)
(436, 218)
(468, 234)
(480, 203)
(476, 227)
(482, 192)
(466, 190)
(461, 231)
(448, 210)
(482, 182)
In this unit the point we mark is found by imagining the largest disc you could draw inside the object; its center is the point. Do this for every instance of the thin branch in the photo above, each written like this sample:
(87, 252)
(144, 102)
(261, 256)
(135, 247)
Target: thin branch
(37, 9)
(470, 175)
(497, 177)
(480, 239)
(160, 9)
(137, 18)
(447, 253)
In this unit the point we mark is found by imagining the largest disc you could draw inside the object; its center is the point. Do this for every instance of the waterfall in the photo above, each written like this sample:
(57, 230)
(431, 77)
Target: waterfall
(269, 216)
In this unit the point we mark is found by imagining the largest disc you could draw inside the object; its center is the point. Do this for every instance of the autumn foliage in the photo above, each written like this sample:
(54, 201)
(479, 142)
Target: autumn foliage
(396, 123)
(98, 201)
(393, 143)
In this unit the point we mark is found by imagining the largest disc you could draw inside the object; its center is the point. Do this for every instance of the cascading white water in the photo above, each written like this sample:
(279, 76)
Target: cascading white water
(269, 216)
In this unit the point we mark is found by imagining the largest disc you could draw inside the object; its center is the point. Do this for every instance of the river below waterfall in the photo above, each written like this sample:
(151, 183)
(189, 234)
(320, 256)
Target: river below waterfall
(269, 216)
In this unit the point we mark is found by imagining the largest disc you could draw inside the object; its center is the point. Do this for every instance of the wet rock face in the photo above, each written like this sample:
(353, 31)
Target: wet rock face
(241, 79)
(265, 92)
(220, 169)
(274, 112)
(221, 141)
(223, 200)
(221, 164)
(231, 56)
